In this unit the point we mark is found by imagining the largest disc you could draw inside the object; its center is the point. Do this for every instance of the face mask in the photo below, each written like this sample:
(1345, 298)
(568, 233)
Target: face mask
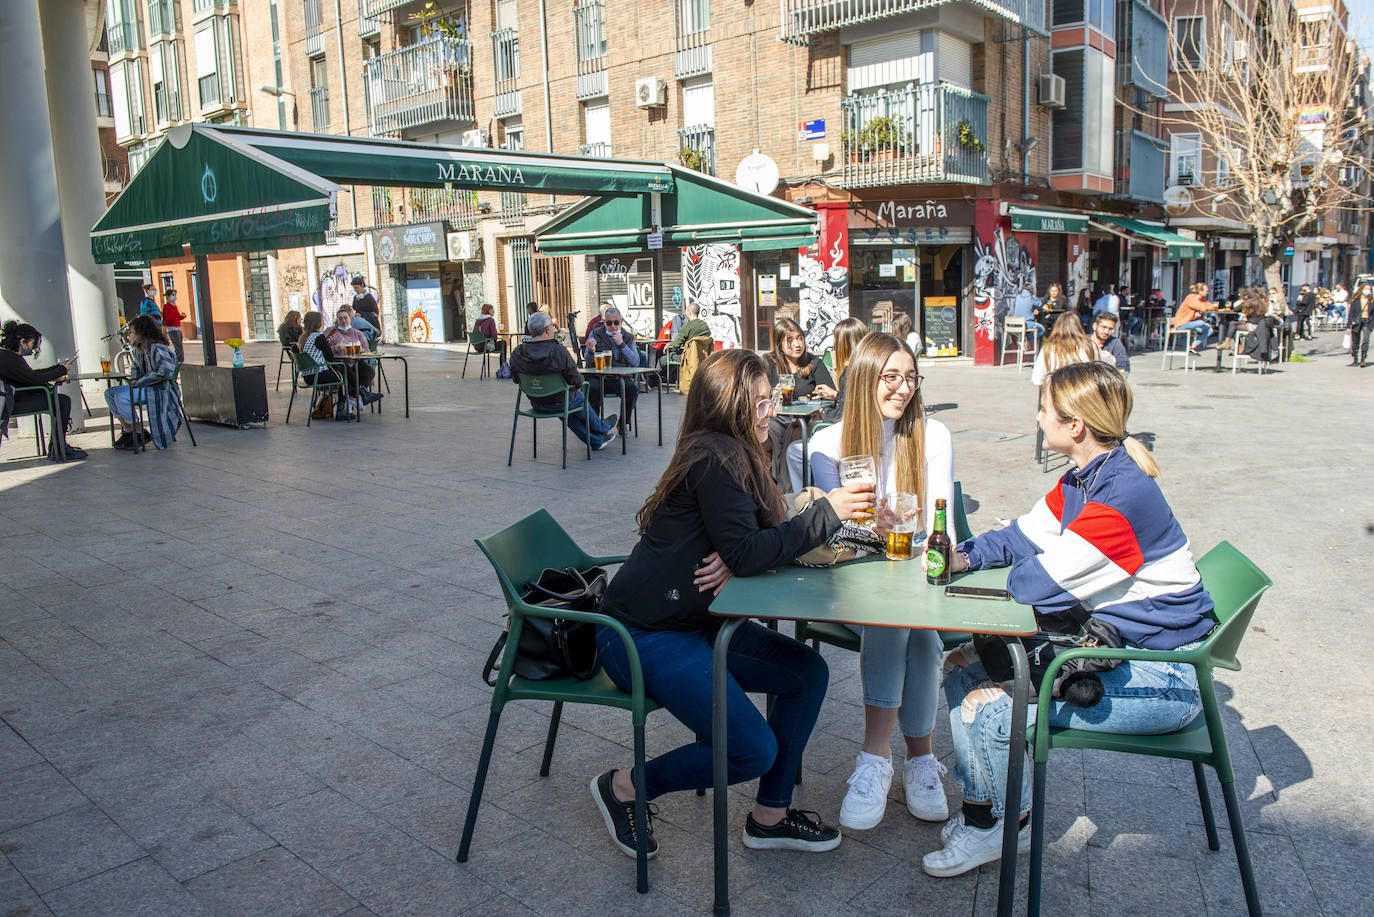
(345, 324)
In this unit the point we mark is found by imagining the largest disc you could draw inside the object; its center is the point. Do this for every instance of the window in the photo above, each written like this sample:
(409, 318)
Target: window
(699, 103)
(319, 94)
(164, 66)
(215, 63)
(693, 16)
(126, 78)
(207, 70)
(596, 119)
(1189, 39)
(513, 202)
(1185, 160)
(102, 94)
(1227, 49)
(1100, 14)
(1082, 138)
(591, 32)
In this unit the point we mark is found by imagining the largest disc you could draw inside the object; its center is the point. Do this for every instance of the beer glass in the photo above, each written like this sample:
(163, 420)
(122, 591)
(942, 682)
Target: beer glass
(603, 359)
(788, 383)
(105, 366)
(859, 469)
(902, 515)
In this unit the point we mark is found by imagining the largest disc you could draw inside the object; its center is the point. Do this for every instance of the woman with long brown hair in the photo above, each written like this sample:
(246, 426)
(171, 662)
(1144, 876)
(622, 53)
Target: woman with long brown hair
(811, 377)
(154, 360)
(899, 668)
(717, 502)
(291, 329)
(1066, 343)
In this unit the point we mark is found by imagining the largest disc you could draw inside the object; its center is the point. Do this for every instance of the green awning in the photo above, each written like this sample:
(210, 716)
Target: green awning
(373, 161)
(1176, 247)
(206, 191)
(702, 209)
(1026, 219)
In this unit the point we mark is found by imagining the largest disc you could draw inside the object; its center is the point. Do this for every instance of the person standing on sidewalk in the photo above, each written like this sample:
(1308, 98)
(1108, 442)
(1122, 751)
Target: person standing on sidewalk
(171, 320)
(1306, 305)
(1361, 326)
(148, 306)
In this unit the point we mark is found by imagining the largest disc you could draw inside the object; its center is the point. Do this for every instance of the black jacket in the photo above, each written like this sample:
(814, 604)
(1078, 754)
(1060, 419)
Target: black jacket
(835, 413)
(806, 385)
(540, 358)
(1355, 312)
(707, 512)
(15, 370)
(1307, 303)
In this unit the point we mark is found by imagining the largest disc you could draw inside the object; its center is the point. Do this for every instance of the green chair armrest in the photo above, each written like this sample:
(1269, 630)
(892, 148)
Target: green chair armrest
(612, 559)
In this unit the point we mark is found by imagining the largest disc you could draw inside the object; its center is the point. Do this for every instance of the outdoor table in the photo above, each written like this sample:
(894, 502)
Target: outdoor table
(378, 355)
(803, 411)
(109, 379)
(879, 592)
(650, 349)
(630, 373)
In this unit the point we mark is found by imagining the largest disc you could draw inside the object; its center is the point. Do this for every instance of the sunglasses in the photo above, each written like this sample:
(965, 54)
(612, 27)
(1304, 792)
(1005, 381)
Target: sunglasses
(614, 324)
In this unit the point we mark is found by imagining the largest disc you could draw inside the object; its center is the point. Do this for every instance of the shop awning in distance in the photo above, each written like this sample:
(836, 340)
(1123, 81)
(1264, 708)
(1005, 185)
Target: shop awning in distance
(230, 189)
(701, 209)
(1176, 247)
(1029, 219)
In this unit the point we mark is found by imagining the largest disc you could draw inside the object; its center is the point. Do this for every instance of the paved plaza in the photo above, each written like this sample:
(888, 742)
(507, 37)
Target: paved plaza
(244, 678)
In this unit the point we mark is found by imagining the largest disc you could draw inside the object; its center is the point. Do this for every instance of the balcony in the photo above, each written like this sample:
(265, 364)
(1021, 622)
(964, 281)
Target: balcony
(804, 18)
(115, 173)
(588, 16)
(930, 133)
(595, 150)
(1313, 57)
(425, 83)
(314, 34)
(123, 38)
(368, 26)
(505, 55)
(375, 9)
(319, 109)
(402, 206)
(164, 18)
(697, 148)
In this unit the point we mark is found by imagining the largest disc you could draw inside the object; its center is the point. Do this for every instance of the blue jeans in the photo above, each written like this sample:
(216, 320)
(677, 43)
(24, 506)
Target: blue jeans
(577, 422)
(677, 674)
(1200, 328)
(117, 400)
(900, 668)
(1139, 698)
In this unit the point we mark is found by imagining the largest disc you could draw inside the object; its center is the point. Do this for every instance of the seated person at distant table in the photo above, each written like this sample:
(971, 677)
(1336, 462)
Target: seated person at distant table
(343, 333)
(1025, 306)
(486, 327)
(612, 335)
(543, 355)
(1104, 333)
(694, 327)
(17, 341)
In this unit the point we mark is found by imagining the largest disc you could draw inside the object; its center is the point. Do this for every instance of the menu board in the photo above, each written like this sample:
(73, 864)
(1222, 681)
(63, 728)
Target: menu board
(941, 325)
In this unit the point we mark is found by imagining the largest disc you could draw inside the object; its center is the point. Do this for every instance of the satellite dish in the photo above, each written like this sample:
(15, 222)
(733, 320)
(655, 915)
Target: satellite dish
(758, 172)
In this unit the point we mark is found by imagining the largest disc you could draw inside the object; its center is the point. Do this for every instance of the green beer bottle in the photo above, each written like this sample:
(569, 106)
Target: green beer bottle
(939, 549)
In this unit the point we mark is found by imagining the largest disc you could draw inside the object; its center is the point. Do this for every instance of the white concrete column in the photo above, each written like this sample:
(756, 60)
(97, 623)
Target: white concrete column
(33, 265)
(80, 176)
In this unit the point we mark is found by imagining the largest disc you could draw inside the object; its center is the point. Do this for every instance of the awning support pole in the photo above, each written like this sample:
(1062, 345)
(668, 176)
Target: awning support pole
(203, 318)
(656, 214)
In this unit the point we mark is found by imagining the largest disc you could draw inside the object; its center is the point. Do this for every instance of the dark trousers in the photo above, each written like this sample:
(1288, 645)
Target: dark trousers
(1359, 340)
(677, 674)
(596, 395)
(174, 334)
(36, 403)
(363, 376)
(1302, 324)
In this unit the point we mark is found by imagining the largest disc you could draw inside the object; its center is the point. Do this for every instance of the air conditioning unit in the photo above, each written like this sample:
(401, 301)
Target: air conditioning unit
(651, 92)
(476, 138)
(1052, 90)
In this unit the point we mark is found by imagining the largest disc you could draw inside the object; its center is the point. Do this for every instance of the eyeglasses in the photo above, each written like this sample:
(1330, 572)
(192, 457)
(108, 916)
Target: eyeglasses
(614, 324)
(894, 381)
(765, 406)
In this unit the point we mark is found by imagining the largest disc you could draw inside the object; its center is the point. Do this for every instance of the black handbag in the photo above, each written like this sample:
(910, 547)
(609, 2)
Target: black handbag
(1076, 682)
(555, 647)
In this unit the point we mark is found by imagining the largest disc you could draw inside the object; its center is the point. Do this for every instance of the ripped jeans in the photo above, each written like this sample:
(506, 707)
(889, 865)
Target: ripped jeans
(1139, 698)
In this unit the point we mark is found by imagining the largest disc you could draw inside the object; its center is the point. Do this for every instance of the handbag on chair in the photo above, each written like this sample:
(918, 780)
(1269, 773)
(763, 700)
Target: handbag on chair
(555, 647)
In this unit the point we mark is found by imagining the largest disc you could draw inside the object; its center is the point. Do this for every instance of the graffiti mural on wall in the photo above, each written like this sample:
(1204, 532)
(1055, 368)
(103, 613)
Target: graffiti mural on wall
(333, 292)
(824, 296)
(711, 275)
(1000, 269)
(1078, 275)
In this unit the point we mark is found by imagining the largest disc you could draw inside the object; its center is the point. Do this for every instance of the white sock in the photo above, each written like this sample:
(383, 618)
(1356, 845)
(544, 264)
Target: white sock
(864, 756)
(920, 758)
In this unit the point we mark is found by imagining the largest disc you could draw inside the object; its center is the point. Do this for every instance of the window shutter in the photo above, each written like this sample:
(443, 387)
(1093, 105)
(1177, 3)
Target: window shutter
(888, 60)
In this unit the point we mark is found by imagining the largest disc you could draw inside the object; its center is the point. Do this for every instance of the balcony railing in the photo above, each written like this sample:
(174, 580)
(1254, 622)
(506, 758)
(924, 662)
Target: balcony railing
(588, 17)
(505, 55)
(693, 54)
(314, 34)
(595, 150)
(930, 133)
(164, 17)
(697, 148)
(123, 37)
(115, 171)
(427, 82)
(399, 206)
(166, 105)
(367, 25)
(1313, 56)
(319, 108)
(803, 18)
(103, 108)
(375, 8)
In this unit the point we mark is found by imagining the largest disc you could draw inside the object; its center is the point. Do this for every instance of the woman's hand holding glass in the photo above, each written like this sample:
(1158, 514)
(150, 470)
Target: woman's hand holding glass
(852, 500)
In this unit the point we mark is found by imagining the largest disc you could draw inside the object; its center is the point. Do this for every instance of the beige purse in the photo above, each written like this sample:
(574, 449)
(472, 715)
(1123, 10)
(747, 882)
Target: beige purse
(851, 542)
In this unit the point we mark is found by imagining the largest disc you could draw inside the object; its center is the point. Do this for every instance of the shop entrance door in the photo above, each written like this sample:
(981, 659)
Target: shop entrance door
(940, 293)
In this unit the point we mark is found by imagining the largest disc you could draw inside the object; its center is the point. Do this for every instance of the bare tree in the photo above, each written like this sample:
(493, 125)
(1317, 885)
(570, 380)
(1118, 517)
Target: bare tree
(1279, 103)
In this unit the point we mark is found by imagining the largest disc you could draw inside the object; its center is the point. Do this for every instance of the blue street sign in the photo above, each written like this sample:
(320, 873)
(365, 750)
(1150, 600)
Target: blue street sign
(811, 130)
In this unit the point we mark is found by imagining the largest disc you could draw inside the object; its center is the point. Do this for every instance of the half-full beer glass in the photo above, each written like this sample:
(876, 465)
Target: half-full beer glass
(901, 515)
(788, 384)
(860, 469)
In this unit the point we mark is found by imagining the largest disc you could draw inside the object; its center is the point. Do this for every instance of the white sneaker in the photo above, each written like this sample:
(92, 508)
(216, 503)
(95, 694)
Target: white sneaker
(866, 800)
(925, 794)
(968, 848)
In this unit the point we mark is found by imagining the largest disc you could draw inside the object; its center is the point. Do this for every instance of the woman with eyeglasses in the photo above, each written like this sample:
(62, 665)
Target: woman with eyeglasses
(716, 512)
(899, 668)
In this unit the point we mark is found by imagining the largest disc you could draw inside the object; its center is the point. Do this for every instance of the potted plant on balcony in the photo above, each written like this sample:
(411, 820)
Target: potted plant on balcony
(692, 158)
(882, 139)
(966, 138)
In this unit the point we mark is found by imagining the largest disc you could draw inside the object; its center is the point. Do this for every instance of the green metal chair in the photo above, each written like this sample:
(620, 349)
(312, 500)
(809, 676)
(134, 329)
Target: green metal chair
(137, 407)
(543, 387)
(39, 433)
(1235, 584)
(846, 639)
(286, 351)
(518, 554)
(477, 343)
(304, 365)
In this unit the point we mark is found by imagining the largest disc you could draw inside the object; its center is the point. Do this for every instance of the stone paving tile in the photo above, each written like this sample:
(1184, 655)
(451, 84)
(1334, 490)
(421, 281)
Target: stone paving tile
(33, 793)
(17, 896)
(270, 882)
(15, 753)
(68, 847)
(141, 887)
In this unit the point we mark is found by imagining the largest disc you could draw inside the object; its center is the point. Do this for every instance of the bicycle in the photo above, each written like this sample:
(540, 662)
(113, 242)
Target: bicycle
(123, 362)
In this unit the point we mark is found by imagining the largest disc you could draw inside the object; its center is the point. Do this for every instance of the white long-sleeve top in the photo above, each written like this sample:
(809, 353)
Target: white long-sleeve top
(824, 455)
(1090, 353)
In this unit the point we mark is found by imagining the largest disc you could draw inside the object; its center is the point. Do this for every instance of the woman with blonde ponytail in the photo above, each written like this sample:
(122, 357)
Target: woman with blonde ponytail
(1100, 555)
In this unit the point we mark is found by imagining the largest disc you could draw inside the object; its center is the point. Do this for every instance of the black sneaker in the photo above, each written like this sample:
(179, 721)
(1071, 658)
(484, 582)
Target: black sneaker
(799, 830)
(610, 421)
(126, 441)
(620, 817)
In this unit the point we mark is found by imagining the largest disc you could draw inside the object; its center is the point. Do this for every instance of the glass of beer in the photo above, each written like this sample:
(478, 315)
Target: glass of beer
(788, 383)
(859, 469)
(603, 359)
(901, 515)
(105, 365)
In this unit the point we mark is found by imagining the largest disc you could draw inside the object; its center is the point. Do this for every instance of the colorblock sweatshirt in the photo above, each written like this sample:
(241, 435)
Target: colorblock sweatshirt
(1104, 538)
